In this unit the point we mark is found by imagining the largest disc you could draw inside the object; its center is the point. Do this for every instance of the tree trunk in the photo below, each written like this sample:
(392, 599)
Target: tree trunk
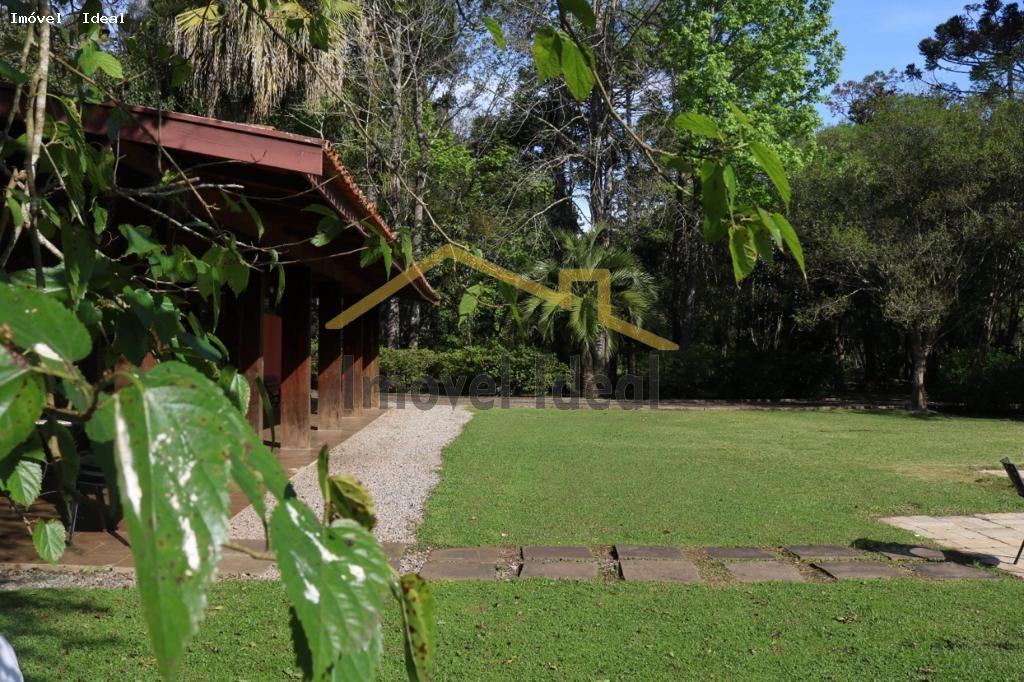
(920, 349)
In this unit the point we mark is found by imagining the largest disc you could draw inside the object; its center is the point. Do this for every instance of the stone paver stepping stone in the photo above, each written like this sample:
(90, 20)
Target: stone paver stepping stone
(576, 570)
(950, 571)
(901, 552)
(556, 553)
(485, 554)
(458, 570)
(738, 553)
(648, 552)
(858, 570)
(394, 552)
(760, 571)
(824, 552)
(666, 570)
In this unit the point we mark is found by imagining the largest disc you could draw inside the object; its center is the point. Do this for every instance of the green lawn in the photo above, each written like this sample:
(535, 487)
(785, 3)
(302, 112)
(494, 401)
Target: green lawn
(684, 478)
(902, 629)
(723, 477)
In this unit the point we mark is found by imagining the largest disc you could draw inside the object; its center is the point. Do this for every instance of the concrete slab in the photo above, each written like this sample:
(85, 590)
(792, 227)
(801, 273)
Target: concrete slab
(666, 570)
(394, 552)
(810, 552)
(458, 570)
(738, 553)
(858, 570)
(486, 554)
(909, 552)
(648, 552)
(763, 571)
(572, 569)
(950, 571)
(556, 553)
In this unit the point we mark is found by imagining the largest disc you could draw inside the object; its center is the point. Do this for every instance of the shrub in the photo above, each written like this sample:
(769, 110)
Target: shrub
(407, 368)
(998, 384)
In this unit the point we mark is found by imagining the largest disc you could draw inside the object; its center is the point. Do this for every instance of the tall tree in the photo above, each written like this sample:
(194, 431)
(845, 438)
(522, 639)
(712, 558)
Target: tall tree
(985, 43)
(899, 213)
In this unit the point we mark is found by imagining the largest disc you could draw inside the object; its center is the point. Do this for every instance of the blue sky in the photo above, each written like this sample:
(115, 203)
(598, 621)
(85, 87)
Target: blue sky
(883, 34)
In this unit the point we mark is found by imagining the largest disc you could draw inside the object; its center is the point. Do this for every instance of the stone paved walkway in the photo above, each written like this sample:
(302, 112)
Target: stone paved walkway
(993, 538)
(718, 565)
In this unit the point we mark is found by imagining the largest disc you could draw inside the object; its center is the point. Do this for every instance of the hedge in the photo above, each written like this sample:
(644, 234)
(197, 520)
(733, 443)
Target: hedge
(408, 369)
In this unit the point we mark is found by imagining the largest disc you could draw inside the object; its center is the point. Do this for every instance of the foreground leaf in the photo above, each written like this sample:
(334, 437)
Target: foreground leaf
(698, 123)
(172, 445)
(743, 251)
(38, 323)
(546, 50)
(769, 161)
(336, 578)
(48, 538)
(346, 498)
(21, 473)
(21, 401)
(495, 30)
(418, 625)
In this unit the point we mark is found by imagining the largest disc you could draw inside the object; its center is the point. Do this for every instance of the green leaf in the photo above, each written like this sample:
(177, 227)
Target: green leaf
(470, 300)
(38, 323)
(99, 219)
(48, 537)
(582, 10)
(139, 242)
(255, 216)
(578, 76)
(546, 51)
(418, 626)
(173, 445)
(181, 70)
(385, 252)
(17, 217)
(741, 117)
(769, 223)
(21, 473)
(21, 401)
(744, 252)
(79, 259)
(236, 388)
(763, 245)
(92, 59)
(697, 123)
(336, 579)
(769, 161)
(791, 239)
(346, 498)
(715, 200)
(12, 74)
(495, 28)
(407, 252)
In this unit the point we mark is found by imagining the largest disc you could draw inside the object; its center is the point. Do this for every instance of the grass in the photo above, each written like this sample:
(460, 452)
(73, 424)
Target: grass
(543, 630)
(684, 478)
(716, 477)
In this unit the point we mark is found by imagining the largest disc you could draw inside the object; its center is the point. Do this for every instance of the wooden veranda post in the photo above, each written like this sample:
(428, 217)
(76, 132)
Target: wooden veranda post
(352, 370)
(330, 407)
(296, 365)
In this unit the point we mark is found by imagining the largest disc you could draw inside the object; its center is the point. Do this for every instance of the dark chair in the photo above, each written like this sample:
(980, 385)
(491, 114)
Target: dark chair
(1018, 484)
(90, 478)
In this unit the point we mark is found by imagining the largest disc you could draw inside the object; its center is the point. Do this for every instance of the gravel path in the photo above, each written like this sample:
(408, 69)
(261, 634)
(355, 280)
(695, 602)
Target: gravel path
(88, 577)
(397, 458)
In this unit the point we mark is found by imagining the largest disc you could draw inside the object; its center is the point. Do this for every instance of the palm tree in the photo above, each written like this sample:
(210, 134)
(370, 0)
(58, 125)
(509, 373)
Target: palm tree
(247, 59)
(632, 295)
